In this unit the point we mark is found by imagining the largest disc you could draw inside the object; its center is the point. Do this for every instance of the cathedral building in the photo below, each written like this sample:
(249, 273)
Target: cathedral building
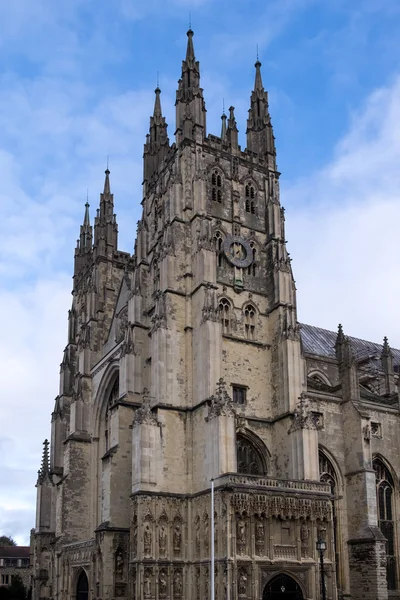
(185, 364)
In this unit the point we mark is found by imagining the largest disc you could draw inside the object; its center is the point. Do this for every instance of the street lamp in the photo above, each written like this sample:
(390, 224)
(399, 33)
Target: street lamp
(321, 547)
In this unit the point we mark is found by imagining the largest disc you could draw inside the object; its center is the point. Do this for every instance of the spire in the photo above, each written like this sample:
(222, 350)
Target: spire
(86, 220)
(190, 107)
(105, 224)
(106, 190)
(260, 137)
(157, 142)
(190, 48)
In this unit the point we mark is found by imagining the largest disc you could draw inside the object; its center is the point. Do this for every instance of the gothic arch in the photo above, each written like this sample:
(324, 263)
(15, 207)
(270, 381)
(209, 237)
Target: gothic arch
(80, 585)
(216, 178)
(226, 314)
(377, 457)
(319, 375)
(276, 575)
(251, 449)
(100, 403)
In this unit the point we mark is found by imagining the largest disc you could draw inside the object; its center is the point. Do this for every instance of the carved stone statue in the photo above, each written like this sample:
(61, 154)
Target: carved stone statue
(242, 583)
(197, 536)
(305, 538)
(147, 584)
(162, 583)
(241, 534)
(119, 566)
(177, 584)
(162, 540)
(260, 532)
(206, 534)
(177, 537)
(147, 540)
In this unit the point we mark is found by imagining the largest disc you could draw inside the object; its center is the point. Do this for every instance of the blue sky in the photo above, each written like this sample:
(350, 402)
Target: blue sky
(77, 84)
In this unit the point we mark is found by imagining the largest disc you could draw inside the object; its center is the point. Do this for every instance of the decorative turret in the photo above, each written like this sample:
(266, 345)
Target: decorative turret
(260, 136)
(44, 470)
(105, 223)
(190, 107)
(232, 133)
(157, 142)
(223, 127)
(387, 364)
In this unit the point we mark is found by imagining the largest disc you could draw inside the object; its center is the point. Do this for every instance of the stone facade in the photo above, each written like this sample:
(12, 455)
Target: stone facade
(186, 363)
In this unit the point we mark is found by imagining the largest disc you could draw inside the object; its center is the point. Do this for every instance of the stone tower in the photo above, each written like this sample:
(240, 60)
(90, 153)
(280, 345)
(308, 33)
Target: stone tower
(185, 364)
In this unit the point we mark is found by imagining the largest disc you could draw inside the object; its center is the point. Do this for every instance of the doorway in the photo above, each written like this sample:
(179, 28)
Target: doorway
(82, 587)
(282, 587)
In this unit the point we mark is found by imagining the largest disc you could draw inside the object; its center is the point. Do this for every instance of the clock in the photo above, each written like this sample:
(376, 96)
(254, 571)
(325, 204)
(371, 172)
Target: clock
(237, 251)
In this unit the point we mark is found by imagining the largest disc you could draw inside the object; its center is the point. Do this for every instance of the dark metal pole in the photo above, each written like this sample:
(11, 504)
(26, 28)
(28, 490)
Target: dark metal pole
(323, 590)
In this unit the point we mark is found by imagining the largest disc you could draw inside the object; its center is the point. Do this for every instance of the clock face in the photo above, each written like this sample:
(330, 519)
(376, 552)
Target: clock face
(238, 251)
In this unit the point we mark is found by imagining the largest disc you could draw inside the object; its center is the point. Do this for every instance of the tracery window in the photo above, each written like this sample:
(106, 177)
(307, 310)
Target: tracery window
(250, 322)
(218, 247)
(216, 186)
(225, 315)
(249, 460)
(385, 494)
(250, 199)
(327, 474)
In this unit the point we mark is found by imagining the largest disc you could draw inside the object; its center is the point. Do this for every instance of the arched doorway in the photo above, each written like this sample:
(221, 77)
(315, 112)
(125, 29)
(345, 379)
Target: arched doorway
(282, 587)
(82, 587)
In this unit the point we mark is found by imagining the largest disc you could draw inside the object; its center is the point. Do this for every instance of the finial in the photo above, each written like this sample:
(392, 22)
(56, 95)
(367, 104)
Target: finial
(190, 19)
(107, 163)
(87, 192)
(223, 106)
(257, 52)
(158, 79)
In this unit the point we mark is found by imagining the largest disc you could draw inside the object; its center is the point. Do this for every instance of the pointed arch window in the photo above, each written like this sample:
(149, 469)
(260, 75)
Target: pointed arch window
(252, 268)
(112, 398)
(218, 240)
(249, 458)
(216, 186)
(250, 321)
(327, 474)
(251, 198)
(386, 521)
(225, 314)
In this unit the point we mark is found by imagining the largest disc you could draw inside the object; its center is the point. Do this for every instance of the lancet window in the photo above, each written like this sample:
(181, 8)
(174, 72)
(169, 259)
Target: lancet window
(225, 313)
(249, 459)
(218, 247)
(216, 186)
(386, 518)
(111, 400)
(252, 268)
(250, 199)
(250, 322)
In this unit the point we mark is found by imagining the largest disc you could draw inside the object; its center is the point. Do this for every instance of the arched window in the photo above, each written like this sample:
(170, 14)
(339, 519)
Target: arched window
(250, 322)
(216, 186)
(249, 459)
(252, 268)
(327, 474)
(250, 202)
(111, 400)
(225, 315)
(385, 493)
(218, 247)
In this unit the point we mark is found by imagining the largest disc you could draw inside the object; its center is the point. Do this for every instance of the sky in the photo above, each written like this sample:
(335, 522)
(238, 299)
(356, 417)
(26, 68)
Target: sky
(77, 83)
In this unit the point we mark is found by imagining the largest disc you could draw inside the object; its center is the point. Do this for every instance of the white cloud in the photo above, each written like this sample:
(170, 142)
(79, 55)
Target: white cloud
(342, 227)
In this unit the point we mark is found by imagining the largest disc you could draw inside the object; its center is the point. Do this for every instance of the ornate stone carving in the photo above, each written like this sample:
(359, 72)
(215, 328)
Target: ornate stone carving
(162, 540)
(302, 416)
(206, 531)
(282, 506)
(305, 539)
(220, 402)
(204, 234)
(144, 414)
(119, 565)
(134, 536)
(121, 325)
(167, 246)
(159, 318)
(128, 345)
(259, 534)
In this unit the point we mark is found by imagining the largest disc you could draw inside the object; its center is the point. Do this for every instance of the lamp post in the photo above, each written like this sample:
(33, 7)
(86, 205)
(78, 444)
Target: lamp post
(321, 547)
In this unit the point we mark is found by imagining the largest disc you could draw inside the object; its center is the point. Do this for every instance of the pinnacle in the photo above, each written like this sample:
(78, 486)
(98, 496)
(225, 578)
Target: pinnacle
(86, 220)
(157, 103)
(107, 181)
(258, 84)
(190, 48)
